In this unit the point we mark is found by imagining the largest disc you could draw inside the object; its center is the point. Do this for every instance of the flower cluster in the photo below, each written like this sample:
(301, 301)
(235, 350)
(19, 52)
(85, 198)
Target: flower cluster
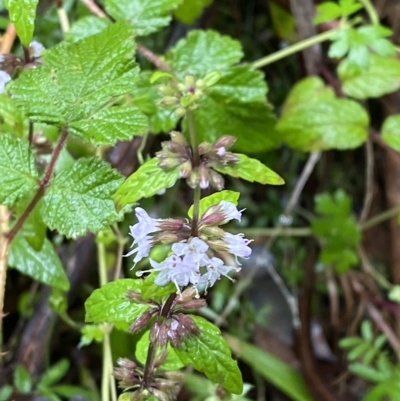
(192, 259)
(177, 152)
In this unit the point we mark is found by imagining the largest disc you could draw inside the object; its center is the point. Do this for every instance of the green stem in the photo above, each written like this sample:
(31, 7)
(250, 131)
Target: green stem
(386, 215)
(107, 382)
(196, 163)
(370, 9)
(304, 44)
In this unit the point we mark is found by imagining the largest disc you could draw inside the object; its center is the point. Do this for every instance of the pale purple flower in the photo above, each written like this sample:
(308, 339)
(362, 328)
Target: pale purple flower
(145, 225)
(237, 245)
(221, 213)
(4, 78)
(230, 211)
(215, 269)
(221, 151)
(142, 248)
(36, 49)
(196, 247)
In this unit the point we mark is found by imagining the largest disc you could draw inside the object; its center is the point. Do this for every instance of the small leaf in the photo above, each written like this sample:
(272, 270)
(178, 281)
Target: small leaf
(90, 333)
(5, 392)
(145, 182)
(214, 199)
(153, 291)
(34, 229)
(146, 16)
(11, 118)
(22, 14)
(251, 170)
(391, 131)
(44, 265)
(158, 75)
(209, 353)
(202, 52)
(18, 174)
(321, 121)
(172, 362)
(80, 199)
(111, 304)
(87, 26)
(190, 10)
(380, 78)
(54, 373)
(22, 379)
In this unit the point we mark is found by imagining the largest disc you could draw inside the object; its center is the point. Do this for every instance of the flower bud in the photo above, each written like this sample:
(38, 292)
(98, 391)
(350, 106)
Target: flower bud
(169, 101)
(160, 395)
(194, 304)
(186, 295)
(126, 363)
(212, 78)
(166, 90)
(204, 148)
(166, 238)
(180, 111)
(193, 178)
(185, 169)
(160, 358)
(229, 158)
(181, 87)
(170, 224)
(170, 162)
(141, 321)
(226, 141)
(203, 177)
(190, 81)
(174, 375)
(211, 231)
(178, 137)
(216, 180)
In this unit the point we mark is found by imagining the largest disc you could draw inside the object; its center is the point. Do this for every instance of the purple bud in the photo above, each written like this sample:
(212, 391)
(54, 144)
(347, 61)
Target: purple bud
(225, 141)
(185, 169)
(193, 179)
(204, 148)
(203, 177)
(194, 304)
(216, 180)
(141, 321)
(178, 137)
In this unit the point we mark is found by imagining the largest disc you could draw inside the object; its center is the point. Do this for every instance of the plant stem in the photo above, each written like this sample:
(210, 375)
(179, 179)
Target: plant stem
(294, 48)
(370, 9)
(386, 215)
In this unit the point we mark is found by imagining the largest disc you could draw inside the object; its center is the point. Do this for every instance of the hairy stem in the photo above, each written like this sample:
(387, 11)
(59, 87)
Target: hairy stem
(294, 48)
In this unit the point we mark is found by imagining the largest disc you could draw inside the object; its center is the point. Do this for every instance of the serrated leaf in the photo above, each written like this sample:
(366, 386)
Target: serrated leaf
(80, 199)
(209, 353)
(172, 362)
(145, 182)
(87, 26)
(147, 97)
(214, 199)
(202, 52)
(111, 304)
(380, 78)
(329, 10)
(145, 16)
(22, 379)
(18, 174)
(151, 290)
(190, 10)
(391, 131)
(251, 170)
(22, 14)
(44, 265)
(77, 80)
(321, 122)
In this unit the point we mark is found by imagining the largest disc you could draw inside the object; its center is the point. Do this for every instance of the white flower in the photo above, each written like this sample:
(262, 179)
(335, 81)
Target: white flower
(230, 211)
(4, 78)
(36, 49)
(145, 226)
(142, 249)
(195, 247)
(221, 213)
(237, 245)
(215, 269)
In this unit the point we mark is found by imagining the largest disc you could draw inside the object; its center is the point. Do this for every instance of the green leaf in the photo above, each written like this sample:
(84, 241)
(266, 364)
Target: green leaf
(329, 10)
(22, 14)
(313, 119)
(380, 78)
(90, 333)
(391, 131)
(87, 26)
(147, 98)
(145, 182)
(153, 291)
(111, 304)
(214, 199)
(209, 353)
(5, 392)
(80, 199)
(281, 375)
(77, 80)
(146, 16)
(22, 379)
(34, 230)
(172, 362)
(251, 170)
(54, 373)
(44, 265)
(18, 174)
(11, 118)
(190, 10)
(202, 52)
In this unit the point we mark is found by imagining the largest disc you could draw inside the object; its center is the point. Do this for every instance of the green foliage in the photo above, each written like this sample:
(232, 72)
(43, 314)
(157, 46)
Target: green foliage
(337, 230)
(80, 199)
(42, 265)
(391, 131)
(380, 78)
(314, 119)
(146, 181)
(153, 291)
(101, 68)
(209, 353)
(5, 392)
(329, 10)
(11, 118)
(22, 379)
(189, 10)
(172, 361)
(18, 174)
(214, 199)
(90, 333)
(251, 170)
(281, 375)
(22, 14)
(145, 16)
(87, 26)
(110, 303)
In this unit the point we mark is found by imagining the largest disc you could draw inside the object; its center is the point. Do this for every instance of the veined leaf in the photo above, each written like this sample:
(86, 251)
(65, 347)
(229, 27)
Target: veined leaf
(214, 199)
(391, 131)
(145, 182)
(145, 16)
(22, 14)
(111, 304)
(44, 265)
(18, 174)
(80, 199)
(77, 80)
(87, 26)
(209, 353)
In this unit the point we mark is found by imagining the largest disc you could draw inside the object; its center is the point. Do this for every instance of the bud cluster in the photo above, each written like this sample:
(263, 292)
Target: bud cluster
(177, 152)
